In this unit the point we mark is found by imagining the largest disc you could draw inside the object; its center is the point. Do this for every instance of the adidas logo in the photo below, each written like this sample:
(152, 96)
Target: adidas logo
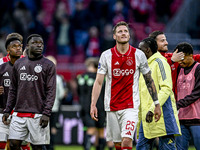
(128, 133)
(6, 74)
(170, 141)
(23, 68)
(117, 63)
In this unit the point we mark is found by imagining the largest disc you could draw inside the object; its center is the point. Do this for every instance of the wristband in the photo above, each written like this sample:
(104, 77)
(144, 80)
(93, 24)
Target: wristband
(172, 61)
(156, 102)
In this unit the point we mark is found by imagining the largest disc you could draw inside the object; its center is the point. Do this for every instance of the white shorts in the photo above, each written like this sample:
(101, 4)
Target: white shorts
(121, 124)
(28, 129)
(4, 130)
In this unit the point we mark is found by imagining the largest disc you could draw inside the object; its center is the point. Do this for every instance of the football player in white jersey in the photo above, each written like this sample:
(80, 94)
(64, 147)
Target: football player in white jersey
(122, 65)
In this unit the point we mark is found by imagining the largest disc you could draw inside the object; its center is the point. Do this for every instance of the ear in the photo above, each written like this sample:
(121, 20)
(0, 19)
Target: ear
(7, 50)
(114, 37)
(148, 50)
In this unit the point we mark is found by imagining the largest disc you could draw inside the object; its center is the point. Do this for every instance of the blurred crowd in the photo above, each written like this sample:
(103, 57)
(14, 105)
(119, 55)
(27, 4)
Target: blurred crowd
(79, 27)
(69, 27)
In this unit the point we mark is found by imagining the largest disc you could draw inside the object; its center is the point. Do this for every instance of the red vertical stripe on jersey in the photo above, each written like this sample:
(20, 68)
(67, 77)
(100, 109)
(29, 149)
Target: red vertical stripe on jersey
(123, 69)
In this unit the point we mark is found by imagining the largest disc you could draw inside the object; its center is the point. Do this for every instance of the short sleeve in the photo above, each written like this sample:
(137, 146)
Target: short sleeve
(102, 67)
(144, 67)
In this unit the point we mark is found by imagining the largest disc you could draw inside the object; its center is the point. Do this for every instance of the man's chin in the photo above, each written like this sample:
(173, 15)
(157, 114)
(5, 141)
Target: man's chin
(125, 42)
(163, 51)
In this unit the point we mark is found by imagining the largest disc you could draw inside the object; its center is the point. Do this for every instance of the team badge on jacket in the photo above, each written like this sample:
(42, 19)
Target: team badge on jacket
(38, 68)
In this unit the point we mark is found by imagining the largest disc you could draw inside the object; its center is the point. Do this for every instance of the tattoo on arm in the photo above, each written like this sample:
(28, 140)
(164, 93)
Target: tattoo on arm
(150, 86)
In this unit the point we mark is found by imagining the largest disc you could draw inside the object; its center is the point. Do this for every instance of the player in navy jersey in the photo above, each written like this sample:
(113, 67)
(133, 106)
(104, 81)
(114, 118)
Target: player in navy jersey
(31, 94)
(14, 48)
(122, 66)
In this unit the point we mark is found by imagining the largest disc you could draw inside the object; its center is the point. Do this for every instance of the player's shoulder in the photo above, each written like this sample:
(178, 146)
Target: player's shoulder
(139, 53)
(47, 61)
(3, 65)
(198, 64)
(1, 61)
(106, 52)
(20, 60)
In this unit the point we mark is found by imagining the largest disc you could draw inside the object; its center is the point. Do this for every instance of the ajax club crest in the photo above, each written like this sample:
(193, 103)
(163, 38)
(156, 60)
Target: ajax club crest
(38, 68)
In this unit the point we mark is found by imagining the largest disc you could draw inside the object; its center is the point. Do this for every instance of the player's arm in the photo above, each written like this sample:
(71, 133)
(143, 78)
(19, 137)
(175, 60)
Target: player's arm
(50, 98)
(95, 95)
(11, 101)
(1, 87)
(152, 91)
(177, 56)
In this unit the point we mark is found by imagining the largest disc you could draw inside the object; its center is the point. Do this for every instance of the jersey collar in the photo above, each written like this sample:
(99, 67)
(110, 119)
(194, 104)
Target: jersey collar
(119, 54)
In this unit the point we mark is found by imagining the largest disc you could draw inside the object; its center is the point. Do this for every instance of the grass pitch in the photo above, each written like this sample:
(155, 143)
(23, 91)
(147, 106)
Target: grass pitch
(63, 147)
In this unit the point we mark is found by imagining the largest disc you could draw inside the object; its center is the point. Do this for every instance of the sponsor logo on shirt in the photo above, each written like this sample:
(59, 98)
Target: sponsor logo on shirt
(28, 77)
(118, 72)
(38, 68)
(6, 74)
(23, 68)
(6, 82)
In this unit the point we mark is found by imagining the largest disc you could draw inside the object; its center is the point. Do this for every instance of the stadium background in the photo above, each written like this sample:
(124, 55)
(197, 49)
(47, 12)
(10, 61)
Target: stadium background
(76, 29)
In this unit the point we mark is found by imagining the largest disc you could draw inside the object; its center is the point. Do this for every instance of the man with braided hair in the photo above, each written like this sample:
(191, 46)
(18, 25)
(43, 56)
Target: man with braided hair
(168, 126)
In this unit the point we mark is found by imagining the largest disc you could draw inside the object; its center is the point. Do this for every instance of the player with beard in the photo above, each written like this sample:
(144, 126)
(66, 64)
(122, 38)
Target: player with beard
(122, 66)
(31, 94)
(172, 58)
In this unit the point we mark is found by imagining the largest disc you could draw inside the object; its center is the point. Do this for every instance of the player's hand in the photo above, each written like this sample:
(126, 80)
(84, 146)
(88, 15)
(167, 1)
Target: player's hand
(1, 90)
(5, 118)
(93, 112)
(149, 117)
(157, 112)
(44, 120)
(177, 56)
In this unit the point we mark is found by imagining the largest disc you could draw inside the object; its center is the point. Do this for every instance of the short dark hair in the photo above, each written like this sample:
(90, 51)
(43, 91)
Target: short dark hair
(32, 35)
(121, 23)
(185, 48)
(154, 34)
(19, 36)
(151, 43)
(10, 39)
